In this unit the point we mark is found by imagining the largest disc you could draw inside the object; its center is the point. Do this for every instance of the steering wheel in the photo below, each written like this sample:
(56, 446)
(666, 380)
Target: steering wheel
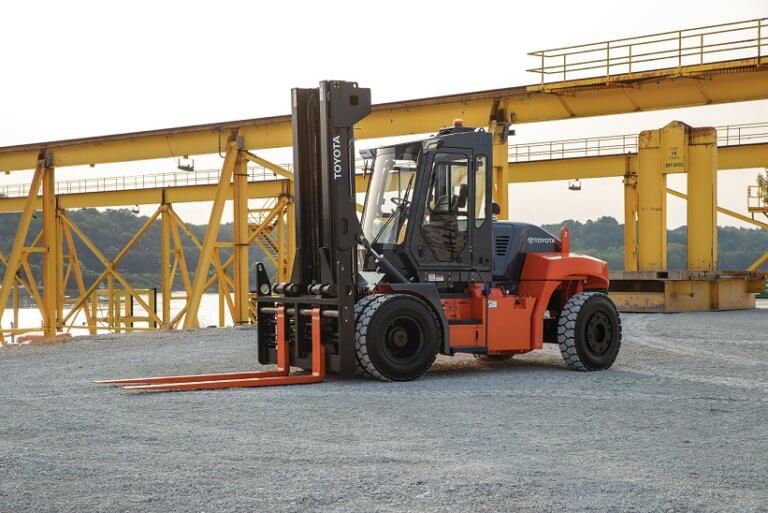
(400, 201)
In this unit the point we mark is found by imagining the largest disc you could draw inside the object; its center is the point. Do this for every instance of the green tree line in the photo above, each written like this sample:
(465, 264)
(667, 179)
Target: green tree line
(603, 238)
(111, 230)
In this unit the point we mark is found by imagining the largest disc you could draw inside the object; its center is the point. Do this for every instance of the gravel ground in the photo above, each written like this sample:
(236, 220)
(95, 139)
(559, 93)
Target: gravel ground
(679, 424)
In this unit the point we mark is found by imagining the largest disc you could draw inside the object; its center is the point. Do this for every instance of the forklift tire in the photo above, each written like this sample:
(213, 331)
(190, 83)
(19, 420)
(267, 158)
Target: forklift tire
(589, 332)
(397, 336)
(493, 357)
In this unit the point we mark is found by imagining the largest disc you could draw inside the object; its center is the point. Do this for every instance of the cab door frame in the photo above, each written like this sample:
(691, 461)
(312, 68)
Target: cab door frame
(421, 253)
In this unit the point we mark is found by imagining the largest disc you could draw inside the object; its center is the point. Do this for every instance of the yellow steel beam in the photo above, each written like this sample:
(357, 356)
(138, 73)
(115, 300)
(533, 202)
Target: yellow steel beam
(180, 257)
(211, 235)
(605, 166)
(33, 289)
(112, 269)
(278, 170)
(75, 263)
(187, 194)
(702, 207)
(743, 156)
(651, 198)
(51, 244)
(109, 266)
(760, 261)
(729, 157)
(239, 236)
(686, 86)
(251, 238)
(730, 213)
(630, 222)
(166, 277)
(14, 259)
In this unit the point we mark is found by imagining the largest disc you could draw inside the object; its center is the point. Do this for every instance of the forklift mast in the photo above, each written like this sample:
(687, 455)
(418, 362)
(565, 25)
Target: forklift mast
(327, 227)
(324, 160)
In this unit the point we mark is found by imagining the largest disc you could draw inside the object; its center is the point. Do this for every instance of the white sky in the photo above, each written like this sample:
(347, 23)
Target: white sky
(78, 68)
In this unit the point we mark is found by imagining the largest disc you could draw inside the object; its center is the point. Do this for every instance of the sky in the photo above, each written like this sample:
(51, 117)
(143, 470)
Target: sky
(77, 68)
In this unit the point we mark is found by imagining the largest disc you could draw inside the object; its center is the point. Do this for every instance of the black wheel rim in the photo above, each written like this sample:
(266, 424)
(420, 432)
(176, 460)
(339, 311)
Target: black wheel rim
(599, 333)
(403, 338)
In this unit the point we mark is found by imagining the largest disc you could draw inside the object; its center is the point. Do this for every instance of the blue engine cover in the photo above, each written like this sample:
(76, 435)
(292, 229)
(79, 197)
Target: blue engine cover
(512, 241)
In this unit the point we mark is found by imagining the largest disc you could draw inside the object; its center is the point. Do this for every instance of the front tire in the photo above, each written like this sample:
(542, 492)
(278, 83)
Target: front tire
(397, 337)
(589, 332)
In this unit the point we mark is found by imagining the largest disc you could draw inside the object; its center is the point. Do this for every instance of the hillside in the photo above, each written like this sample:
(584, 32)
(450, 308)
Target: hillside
(604, 238)
(110, 230)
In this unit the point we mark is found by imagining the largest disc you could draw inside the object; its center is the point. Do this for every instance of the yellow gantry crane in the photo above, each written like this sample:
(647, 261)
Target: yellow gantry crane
(707, 65)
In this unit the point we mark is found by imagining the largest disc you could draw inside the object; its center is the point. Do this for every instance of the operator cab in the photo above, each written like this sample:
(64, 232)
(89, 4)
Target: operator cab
(428, 208)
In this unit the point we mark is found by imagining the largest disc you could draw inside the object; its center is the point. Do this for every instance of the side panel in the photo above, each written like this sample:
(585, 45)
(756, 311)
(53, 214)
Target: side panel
(509, 323)
(467, 336)
(542, 291)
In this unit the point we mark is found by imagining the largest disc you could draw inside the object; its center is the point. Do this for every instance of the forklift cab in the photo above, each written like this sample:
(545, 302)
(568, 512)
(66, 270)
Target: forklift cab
(428, 208)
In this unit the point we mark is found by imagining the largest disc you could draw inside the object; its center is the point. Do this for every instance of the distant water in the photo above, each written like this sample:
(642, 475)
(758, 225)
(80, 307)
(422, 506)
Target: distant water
(208, 315)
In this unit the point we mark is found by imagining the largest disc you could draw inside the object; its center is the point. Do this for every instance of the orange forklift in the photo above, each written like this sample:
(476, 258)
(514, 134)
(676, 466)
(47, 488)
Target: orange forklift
(427, 270)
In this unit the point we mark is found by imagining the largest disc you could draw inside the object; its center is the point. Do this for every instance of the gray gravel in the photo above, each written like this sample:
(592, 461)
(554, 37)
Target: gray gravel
(679, 424)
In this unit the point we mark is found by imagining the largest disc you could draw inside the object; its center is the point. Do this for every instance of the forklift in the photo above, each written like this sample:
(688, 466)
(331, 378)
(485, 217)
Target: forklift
(426, 270)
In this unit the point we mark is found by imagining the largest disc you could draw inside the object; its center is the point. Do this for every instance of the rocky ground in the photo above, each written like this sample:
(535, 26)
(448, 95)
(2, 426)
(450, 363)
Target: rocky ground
(679, 424)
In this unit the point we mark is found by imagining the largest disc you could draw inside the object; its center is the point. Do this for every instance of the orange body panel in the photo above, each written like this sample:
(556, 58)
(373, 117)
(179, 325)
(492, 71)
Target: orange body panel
(515, 323)
(467, 335)
(471, 310)
(459, 309)
(509, 323)
(565, 267)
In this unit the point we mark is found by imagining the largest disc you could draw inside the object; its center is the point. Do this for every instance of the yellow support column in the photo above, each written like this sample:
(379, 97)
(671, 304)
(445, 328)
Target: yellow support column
(60, 278)
(50, 259)
(654, 147)
(500, 168)
(165, 264)
(702, 200)
(222, 311)
(240, 240)
(111, 304)
(14, 259)
(15, 306)
(630, 222)
(211, 235)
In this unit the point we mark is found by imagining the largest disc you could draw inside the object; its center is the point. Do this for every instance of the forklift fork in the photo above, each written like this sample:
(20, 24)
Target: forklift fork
(280, 376)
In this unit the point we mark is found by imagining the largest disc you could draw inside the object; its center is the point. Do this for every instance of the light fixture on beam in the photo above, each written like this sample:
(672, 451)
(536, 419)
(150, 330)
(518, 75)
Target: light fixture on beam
(185, 164)
(574, 185)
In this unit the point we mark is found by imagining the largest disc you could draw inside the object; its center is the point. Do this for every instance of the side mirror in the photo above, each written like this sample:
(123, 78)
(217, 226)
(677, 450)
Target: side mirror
(495, 209)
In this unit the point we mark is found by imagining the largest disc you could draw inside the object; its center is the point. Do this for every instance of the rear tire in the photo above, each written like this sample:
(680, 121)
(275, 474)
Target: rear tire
(397, 336)
(589, 332)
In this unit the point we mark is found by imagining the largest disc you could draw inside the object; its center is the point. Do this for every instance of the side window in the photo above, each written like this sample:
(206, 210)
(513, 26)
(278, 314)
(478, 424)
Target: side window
(445, 222)
(481, 191)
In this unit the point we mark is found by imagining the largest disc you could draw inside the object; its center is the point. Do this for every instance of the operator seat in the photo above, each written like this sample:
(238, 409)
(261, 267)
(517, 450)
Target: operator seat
(442, 233)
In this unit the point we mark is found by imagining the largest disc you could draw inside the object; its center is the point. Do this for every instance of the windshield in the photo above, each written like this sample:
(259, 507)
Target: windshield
(389, 196)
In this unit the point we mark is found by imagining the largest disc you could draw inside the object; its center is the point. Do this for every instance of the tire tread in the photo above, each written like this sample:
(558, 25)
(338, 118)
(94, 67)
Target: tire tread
(566, 330)
(365, 310)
